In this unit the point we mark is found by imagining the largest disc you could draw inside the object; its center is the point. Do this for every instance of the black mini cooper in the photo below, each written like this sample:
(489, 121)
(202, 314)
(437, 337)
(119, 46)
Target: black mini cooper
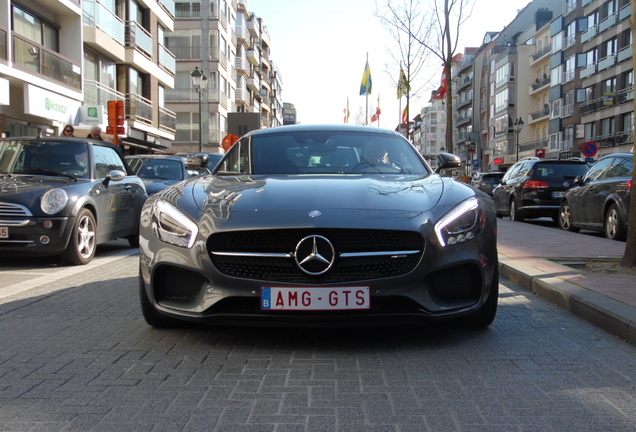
(63, 196)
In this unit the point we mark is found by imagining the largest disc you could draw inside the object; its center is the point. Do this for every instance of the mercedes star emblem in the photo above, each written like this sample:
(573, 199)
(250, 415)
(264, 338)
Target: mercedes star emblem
(314, 255)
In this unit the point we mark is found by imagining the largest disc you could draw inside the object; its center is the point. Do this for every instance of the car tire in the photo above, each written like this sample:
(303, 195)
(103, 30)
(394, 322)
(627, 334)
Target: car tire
(152, 316)
(83, 242)
(614, 226)
(565, 218)
(515, 214)
(486, 314)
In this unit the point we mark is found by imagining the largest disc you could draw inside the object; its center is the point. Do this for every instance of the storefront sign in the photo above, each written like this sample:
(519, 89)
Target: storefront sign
(46, 104)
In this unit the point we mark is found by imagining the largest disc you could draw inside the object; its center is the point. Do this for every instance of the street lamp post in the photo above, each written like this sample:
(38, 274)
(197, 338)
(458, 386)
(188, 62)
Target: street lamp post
(200, 82)
(518, 126)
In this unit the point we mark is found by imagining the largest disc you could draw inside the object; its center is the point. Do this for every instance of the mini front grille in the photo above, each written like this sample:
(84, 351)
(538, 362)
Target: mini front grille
(268, 255)
(13, 210)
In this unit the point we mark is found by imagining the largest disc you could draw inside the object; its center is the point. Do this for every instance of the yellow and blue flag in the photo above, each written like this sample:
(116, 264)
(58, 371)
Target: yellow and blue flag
(403, 85)
(365, 86)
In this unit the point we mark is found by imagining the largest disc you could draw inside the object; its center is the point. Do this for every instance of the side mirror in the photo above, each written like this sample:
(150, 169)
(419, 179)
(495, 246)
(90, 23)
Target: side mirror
(578, 180)
(447, 161)
(114, 175)
(197, 162)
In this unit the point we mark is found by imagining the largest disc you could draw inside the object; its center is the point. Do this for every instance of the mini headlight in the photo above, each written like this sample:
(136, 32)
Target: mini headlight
(172, 226)
(461, 224)
(54, 201)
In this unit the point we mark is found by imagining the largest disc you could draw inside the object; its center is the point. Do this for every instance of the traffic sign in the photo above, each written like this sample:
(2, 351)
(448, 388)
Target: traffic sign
(540, 153)
(589, 149)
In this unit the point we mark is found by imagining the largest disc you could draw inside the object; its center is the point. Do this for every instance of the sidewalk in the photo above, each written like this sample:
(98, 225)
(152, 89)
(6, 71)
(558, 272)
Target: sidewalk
(607, 301)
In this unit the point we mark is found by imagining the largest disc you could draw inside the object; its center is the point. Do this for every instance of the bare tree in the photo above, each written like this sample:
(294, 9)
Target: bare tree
(629, 256)
(440, 39)
(410, 55)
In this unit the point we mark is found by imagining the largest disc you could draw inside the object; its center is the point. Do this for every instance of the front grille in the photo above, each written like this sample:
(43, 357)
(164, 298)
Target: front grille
(371, 251)
(13, 210)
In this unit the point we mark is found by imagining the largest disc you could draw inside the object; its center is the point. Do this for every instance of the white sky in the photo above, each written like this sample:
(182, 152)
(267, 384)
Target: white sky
(320, 49)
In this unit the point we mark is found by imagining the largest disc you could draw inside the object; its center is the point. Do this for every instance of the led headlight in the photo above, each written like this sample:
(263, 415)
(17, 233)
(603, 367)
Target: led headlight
(54, 201)
(460, 224)
(172, 226)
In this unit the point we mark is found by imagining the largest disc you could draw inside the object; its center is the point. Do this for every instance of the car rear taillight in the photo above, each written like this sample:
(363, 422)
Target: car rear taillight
(629, 184)
(535, 184)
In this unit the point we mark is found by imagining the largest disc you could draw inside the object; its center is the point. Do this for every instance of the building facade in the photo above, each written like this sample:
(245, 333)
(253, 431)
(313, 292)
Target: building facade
(231, 46)
(62, 61)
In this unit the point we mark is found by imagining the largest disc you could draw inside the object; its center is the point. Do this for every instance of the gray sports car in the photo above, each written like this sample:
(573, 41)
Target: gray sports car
(319, 225)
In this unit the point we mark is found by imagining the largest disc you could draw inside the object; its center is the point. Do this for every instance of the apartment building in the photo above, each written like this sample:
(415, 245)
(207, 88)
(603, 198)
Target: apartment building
(550, 85)
(231, 46)
(62, 61)
(432, 129)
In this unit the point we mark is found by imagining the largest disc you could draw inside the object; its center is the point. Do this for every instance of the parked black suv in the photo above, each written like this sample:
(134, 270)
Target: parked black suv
(599, 201)
(533, 187)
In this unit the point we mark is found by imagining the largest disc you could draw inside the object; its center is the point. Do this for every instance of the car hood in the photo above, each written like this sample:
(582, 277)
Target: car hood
(319, 192)
(26, 190)
(225, 203)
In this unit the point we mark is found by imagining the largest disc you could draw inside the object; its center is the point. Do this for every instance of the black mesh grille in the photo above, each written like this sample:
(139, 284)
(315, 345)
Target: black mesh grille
(343, 269)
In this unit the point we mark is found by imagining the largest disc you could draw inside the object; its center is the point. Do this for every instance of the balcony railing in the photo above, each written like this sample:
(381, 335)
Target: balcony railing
(3, 44)
(545, 112)
(540, 53)
(607, 62)
(95, 14)
(625, 95)
(95, 93)
(167, 60)
(187, 10)
(168, 6)
(186, 52)
(539, 83)
(138, 108)
(167, 120)
(40, 60)
(138, 37)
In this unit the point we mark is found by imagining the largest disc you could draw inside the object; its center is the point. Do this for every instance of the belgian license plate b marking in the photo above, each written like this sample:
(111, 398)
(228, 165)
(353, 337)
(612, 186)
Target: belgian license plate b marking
(311, 298)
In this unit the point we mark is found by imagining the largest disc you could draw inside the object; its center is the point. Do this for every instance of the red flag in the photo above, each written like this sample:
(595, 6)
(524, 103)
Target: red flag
(405, 114)
(441, 91)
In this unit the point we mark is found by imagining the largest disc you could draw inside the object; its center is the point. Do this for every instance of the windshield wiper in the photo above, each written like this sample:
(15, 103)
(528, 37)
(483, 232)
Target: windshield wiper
(39, 171)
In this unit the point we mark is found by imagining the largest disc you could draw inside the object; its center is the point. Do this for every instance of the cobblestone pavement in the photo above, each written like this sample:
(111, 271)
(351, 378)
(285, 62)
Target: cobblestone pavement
(76, 355)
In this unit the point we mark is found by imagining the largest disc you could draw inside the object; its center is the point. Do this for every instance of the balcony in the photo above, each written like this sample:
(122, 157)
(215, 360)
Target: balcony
(252, 28)
(3, 44)
(607, 22)
(254, 82)
(186, 52)
(625, 95)
(624, 54)
(96, 15)
(168, 6)
(241, 63)
(567, 110)
(607, 62)
(139, 38)
(188, 10)
(540, 54)
(537, 116)
(588, 70)
(253, 56)
(167, 60)
(625, 12)
(539, 84)
(40, 60)
(138, 108)
(167, 120)
(95, 93)
(589, 34)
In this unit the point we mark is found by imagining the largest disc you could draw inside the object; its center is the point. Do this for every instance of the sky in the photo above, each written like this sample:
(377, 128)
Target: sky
(320, 50)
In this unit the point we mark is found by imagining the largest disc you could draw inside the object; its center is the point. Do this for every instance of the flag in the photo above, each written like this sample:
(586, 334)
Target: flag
(403, 85)
(441, 91)
(405, 114)
(365, 86)
(345, 116)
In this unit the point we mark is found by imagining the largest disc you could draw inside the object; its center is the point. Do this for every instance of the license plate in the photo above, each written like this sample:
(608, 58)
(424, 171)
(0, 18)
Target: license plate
(4, 232)
(325, 298)
(559, 194)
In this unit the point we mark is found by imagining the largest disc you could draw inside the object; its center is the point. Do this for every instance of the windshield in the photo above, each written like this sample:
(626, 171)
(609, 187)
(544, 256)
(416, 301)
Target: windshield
(46, 158)
(324, 152)
(163, 169)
